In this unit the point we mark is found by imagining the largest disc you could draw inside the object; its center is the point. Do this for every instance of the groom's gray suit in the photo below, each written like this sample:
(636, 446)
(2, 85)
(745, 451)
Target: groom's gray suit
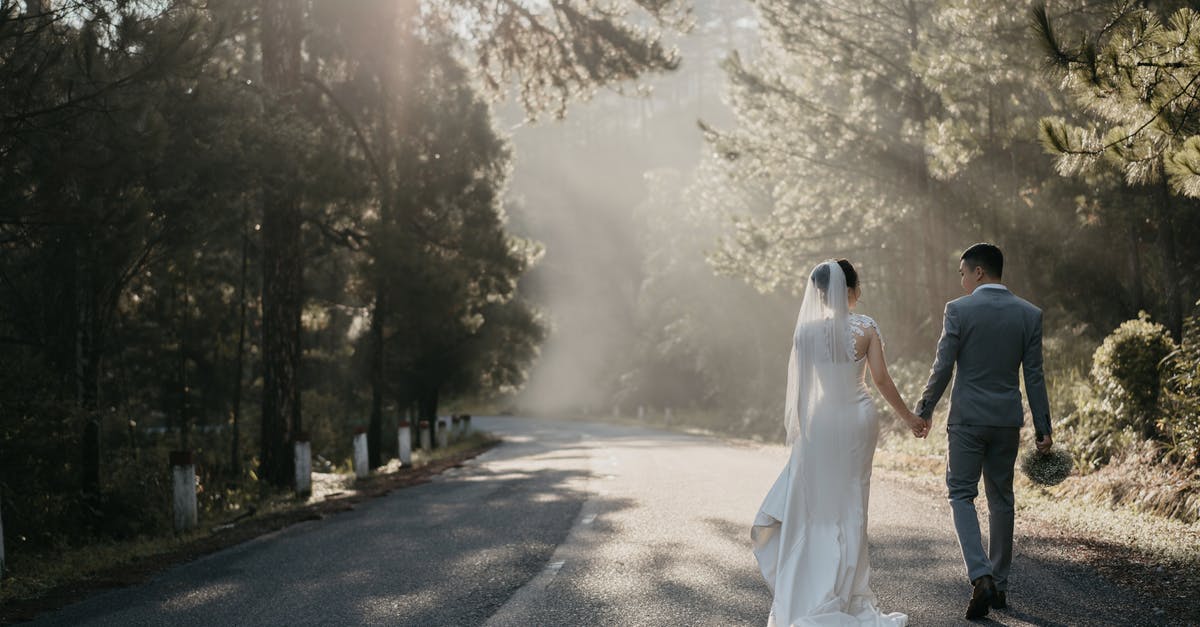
(990, 335)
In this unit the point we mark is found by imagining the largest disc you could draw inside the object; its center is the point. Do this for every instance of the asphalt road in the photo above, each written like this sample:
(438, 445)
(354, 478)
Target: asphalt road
(581, 524)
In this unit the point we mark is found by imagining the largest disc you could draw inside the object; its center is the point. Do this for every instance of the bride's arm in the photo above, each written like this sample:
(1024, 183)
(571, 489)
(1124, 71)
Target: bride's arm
(887, 387)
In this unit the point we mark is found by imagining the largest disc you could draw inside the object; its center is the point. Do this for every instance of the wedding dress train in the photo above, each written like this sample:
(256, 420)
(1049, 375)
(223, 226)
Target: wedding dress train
(810, 534)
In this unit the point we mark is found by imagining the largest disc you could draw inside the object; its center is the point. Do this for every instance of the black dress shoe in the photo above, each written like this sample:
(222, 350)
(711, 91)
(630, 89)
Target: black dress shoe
(981, 597)
(999, 602)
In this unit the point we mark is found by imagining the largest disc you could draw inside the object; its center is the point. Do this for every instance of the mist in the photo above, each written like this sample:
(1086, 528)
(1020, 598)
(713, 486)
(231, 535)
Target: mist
(581, 187)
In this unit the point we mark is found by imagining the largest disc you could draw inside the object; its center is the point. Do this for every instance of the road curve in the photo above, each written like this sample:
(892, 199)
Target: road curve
(580, 524)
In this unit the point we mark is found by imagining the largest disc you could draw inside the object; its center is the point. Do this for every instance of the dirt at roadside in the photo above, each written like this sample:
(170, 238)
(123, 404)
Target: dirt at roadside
(1171, 587)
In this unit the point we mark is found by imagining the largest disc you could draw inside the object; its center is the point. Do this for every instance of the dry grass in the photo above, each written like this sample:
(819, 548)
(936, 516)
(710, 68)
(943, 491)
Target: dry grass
(1138, 480)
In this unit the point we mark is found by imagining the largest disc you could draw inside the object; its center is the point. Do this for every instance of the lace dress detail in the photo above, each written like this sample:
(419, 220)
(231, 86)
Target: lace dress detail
(857, 327)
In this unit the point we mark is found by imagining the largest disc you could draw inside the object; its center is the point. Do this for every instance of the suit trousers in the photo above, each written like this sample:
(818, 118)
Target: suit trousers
(992, 452)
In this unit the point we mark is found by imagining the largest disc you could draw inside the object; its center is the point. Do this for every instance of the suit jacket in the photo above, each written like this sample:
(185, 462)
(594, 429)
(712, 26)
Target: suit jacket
(989, 335)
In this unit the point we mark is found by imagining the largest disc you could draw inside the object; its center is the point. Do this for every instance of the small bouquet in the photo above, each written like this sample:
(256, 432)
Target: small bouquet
(1047, 469)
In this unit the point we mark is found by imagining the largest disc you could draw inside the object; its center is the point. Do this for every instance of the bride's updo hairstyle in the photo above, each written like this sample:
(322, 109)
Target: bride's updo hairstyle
(820, 277)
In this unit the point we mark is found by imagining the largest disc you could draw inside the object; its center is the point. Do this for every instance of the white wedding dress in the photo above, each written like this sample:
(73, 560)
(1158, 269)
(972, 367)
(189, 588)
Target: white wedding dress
(810, 534)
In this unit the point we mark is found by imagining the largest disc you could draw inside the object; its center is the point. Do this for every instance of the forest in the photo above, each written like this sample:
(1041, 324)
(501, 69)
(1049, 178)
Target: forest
(227, 224)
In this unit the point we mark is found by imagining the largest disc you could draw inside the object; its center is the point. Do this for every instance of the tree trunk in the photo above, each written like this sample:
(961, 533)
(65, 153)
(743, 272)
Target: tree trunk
(37, 7)
(375, 427)
(428, 407)
(281, 32)
(933, 236)
(379, 316)
(1135, 267)
(235, 458)
(183, 374)
(1170, 261)
(87, 366)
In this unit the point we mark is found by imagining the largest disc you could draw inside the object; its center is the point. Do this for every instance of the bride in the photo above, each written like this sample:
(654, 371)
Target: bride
(810, 535)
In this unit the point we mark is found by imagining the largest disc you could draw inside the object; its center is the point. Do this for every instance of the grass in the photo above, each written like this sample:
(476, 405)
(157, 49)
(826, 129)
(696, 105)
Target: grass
(36, 583)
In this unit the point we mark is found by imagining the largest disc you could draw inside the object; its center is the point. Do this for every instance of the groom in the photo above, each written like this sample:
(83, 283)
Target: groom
(989, 335)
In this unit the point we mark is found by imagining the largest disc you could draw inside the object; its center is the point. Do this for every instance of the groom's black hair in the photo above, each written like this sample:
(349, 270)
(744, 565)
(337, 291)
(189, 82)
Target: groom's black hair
(986, 256)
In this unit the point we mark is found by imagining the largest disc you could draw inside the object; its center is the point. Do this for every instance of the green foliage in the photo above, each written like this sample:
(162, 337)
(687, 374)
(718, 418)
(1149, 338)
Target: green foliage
(1130, 369)
(35, 481)
(1132, 113)
(897, 138)
(1182, 423)
(139, 141)
(330, 422)
(1143, 389)
(1137, 74)
(695, 353)
(560, 51)
(1094, 435)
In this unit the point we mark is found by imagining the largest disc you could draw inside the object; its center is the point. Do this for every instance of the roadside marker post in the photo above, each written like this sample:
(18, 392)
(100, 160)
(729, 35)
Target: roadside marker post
(426, 439)
(183, 476)
(303, 456)
(361, 469)
(405, 437)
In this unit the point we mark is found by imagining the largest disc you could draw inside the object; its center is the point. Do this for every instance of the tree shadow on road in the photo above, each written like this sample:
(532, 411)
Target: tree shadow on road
(913, 572)
(670, 580)
(446, 553)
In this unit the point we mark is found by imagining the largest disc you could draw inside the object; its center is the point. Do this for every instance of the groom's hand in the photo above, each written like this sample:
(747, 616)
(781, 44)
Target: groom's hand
(1044, 443)
(918, 425)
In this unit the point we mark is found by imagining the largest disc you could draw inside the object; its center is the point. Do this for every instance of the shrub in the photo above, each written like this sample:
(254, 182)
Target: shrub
(39, 485)
(1131, 369)
(1182, 421)
(1093, 435)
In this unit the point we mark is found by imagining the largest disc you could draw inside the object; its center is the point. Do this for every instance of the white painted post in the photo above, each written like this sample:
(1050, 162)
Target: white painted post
(183, 472)
(641, 412)
(405, 443)
(426, 438)
(442, 432)
(616, 411)
(303, 454)
(361, 468)
(455, 427)
(667, 416)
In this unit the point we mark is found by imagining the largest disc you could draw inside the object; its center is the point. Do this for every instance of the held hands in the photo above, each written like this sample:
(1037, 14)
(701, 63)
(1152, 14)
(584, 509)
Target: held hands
(919, 426)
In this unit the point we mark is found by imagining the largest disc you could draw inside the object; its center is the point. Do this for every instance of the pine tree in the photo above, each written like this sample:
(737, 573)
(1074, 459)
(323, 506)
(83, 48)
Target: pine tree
(555, 53)
(84, 88)
(895, 134)
(1135, 80)
(281, 33)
